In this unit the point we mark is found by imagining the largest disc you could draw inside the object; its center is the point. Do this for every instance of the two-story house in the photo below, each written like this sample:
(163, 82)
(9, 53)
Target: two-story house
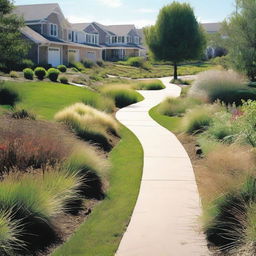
(117, 41)
(53, 39)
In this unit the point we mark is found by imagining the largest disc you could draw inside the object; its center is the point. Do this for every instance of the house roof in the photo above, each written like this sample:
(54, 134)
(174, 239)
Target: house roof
(39, 39)
(120, 30)
(36, 12)
(212, 27)
(87, 27)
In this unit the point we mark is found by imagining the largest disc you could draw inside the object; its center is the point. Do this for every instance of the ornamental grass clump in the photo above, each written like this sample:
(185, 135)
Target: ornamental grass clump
(89, 123)
(149, 85)
(177, 106)
(91, 167)
(121, 94)
(225, 86)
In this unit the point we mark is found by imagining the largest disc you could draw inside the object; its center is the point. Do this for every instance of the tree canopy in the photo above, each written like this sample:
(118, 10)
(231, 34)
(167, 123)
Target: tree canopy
(176, 36)
(240, 33)
(12, 46)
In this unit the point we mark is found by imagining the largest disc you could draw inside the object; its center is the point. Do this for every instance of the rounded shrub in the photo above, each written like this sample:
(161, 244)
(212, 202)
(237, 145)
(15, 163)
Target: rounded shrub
(8, 96)
(63, 80)
(53, 74)
(62, 68)
(40, 73)
(88, 63)
(28, 73)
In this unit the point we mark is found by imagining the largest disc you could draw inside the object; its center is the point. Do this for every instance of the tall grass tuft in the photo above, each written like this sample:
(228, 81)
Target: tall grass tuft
(89, 123)
(149, 85)
(198, 119)
(177, 106)
(121, 94)
(105, 104)
(226, 86)
(92, 168)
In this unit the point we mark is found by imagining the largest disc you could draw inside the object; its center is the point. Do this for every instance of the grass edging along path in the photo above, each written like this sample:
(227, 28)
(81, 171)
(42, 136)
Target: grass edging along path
(101, 233)
(170, 123)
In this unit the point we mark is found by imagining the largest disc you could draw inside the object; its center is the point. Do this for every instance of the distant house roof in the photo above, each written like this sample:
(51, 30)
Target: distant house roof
(87, 27)
(212, 27)
(120, 30)
(36, 12)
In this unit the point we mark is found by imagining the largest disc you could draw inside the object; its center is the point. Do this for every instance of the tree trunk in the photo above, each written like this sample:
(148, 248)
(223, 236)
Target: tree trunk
(175, 75)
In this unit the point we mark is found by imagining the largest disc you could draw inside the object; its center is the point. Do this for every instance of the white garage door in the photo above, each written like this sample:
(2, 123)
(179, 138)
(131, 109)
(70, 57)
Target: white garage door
(91, 56)
(54, 56)
(73, 55)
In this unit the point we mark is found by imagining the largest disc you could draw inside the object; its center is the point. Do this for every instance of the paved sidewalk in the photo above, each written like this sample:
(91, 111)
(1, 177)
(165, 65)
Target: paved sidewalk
(165, 219)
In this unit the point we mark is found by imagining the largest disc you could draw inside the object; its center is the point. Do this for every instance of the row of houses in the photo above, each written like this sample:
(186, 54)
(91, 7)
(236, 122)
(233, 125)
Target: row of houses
(54, 40)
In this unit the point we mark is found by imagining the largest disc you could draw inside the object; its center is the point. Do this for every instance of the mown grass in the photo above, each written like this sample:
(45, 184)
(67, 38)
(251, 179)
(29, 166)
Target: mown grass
(172, 123)
(101, 233)
(45, 98)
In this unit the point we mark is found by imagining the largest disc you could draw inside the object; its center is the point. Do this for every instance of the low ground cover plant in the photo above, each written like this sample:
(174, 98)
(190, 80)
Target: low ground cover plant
(89, 123)
(63, 80)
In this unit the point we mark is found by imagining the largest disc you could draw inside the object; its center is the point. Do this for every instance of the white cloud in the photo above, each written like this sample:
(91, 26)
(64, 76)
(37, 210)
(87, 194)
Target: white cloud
(111, 3)
(145, 10)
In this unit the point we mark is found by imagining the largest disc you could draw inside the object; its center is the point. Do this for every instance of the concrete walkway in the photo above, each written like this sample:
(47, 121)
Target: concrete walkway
(165, 219)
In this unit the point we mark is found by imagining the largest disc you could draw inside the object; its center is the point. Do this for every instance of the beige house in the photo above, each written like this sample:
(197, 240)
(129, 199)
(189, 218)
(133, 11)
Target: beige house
(52, 38)
(55, 41)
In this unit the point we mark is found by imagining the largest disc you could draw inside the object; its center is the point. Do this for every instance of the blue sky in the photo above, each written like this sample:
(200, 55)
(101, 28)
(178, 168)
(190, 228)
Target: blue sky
(138, 12)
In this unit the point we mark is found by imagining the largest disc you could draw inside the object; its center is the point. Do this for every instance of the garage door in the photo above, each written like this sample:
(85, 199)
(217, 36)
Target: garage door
(54, 56)
(73, 55)
(91, 56)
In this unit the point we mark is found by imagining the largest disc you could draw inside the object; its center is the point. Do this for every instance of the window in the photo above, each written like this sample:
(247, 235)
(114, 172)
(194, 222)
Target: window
(114, 39)
(53, 30)
(137, 40)
(119, 39)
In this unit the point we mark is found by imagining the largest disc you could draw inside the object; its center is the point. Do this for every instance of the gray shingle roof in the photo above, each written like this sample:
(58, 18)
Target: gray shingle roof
(212, 27)
(120, 30)
(80, 26)
(36, 12)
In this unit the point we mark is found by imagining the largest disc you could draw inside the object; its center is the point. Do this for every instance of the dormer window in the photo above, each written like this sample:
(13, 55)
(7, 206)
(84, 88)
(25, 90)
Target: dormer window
(53, 30)
(137, 40)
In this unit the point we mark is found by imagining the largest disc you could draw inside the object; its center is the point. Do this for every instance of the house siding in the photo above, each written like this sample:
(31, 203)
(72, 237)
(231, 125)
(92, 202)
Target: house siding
(36, 27)
(43, 54)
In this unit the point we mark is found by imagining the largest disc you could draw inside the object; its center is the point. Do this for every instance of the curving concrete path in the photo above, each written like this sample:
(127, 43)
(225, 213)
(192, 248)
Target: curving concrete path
(165, 218)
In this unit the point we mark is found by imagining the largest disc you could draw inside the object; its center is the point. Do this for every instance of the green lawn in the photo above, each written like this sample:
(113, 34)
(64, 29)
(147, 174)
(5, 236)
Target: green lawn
(100, 235)
(172, 123)
(46, 98)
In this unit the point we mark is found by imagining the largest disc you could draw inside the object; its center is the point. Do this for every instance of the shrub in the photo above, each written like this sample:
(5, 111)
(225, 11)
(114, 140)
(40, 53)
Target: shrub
(78, 65)
(28, 73)
(88, 63)
(91, 167)
(177, 106)
(121, 95)
(223, 61)
(53, 74)
(137, 62)
(20, 113)
(226, 86)
(197, 120)
(14, 74)
(40, 73)
(27, 63)
(100, 102)
(62, 68)
(26, 143)
(100, 63)
(150, 85)
(89, 123)
(63, 80)
(8, 96)
(46, 66)
(231, 219)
